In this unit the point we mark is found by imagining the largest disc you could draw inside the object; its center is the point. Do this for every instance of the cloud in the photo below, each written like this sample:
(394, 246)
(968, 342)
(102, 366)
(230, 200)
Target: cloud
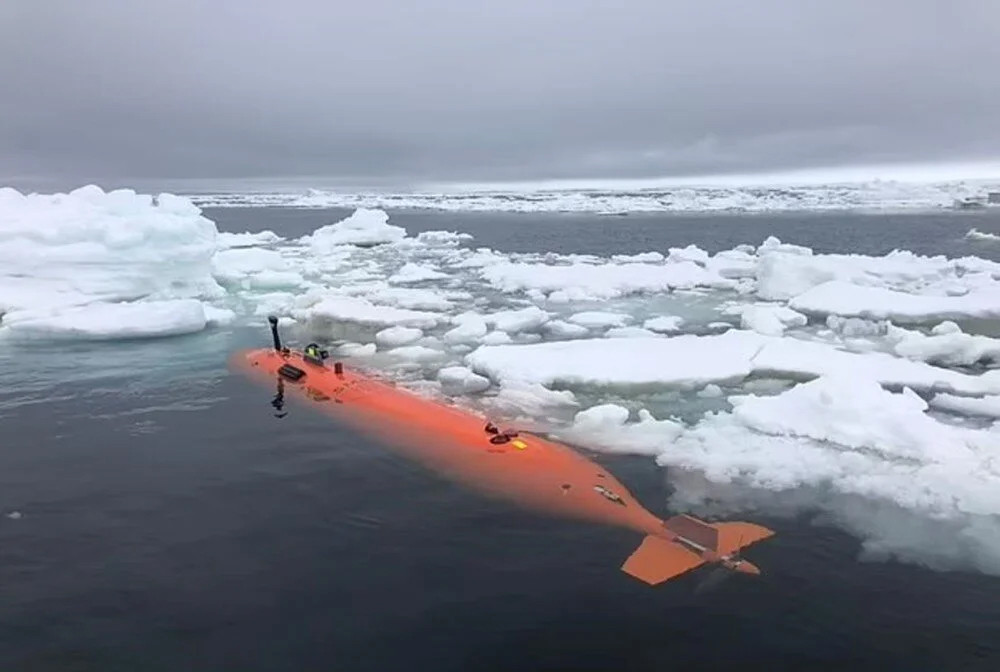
(512, 89)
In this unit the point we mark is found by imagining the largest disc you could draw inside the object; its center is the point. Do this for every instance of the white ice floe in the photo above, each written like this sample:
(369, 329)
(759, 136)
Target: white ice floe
(530, 400)
(356, 349)
(733, 264)
(802, 360)
(413, 273)
(247, 239)
(749, 194)
(471, 328)
(254, 268)
(684, 361)
(630, 332)
(606, 427)
(401, 297)
(86, 246)
(559, 329)
(595, 319)
(664, 324)
(417, 353)
(496, 338)
(459, 380)
(587, 281)
(515, 321)
(693, 361)
(393, 337)
(361, 311)
(849, 433)
(855, 327)
(846, 299)
(691, 253)
(107, 321)
(988, 406)
(976, 234)
(947, 345)
(363, 228)
(771, 320)
(784, 272)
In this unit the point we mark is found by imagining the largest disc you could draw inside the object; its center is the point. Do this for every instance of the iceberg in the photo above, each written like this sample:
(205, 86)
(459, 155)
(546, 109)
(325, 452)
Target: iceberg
(72, 249)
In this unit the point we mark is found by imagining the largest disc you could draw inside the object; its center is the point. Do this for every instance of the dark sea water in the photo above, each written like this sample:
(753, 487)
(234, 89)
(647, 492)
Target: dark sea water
(169, 522)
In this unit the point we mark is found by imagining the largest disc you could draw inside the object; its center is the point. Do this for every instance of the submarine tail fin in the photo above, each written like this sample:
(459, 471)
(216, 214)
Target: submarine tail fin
(734, 536)
(658, 560)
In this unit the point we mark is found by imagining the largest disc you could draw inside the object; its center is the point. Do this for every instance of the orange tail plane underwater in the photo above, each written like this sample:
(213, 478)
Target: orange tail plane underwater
(525, 468)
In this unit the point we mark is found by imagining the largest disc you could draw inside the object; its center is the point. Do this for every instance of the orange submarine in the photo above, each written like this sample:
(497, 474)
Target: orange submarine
(526, 468)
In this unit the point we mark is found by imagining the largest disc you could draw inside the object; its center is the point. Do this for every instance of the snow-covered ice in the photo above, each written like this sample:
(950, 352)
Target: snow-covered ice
(364, 227)
(108, 321)
(597, 319)
(393, 337)
(460, 380)
(847, 299)
(85, 246)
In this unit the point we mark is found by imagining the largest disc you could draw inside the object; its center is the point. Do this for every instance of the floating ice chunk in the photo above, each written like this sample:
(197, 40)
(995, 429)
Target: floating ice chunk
(442, 238)
(629, 332)
(411, 272)
(803, 360)
(948, 346)
(685, 361)
(854, 327)
(232, 267)
(855, 412)
(606, 427)
(773, 244)
(88, 245)
(560, 329)
(664, 324)
(691, 253)
(946, 327)
(356, 349)
(710, 391)
(247, 239)
(363, 228)
(601, 281)
(514, 321)
(770, 320)
(110, 321)
(361, 311)
(217, 317)
(403, 297)
(531, 399)
(878, 303)
(782, 276)
(690, 361)
(459, 380)
(276, 280)
(417, 353)
(734, 264)
(598, 320)
(976, 234)
(274, 303)
(988, 406)
(642, 257)
(394, 337)
(496, 338)
(471, 327)
(851, 434)
(480, 258)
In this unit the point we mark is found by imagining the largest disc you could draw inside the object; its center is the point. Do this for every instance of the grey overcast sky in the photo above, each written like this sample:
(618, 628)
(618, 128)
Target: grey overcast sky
(490, 89)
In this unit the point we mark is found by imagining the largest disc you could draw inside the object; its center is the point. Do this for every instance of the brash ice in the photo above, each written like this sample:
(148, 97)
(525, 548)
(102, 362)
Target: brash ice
(525, 468)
